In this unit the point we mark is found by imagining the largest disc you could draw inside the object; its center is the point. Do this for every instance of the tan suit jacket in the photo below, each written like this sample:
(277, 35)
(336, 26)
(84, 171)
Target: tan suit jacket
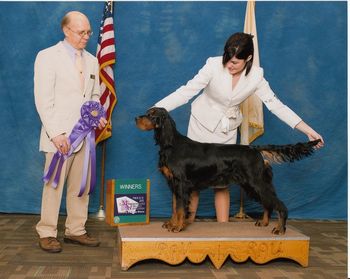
(219, 101)
(58, 96)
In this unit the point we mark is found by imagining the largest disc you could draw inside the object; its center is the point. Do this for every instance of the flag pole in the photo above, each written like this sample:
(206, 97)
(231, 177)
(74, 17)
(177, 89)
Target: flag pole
(251, 104)
(106, 58)
(101, 213)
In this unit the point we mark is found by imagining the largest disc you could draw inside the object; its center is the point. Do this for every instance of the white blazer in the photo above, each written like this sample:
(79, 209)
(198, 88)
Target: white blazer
(218, 102)
(57, 92)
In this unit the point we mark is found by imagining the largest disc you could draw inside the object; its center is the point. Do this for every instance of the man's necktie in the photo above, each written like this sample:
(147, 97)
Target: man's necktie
(79, 66)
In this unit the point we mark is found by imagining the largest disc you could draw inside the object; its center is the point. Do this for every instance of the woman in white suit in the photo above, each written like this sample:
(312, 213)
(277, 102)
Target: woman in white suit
(215, 114)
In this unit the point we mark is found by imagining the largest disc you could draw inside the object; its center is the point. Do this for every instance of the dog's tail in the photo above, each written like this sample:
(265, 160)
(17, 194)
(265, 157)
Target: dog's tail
(287, 153)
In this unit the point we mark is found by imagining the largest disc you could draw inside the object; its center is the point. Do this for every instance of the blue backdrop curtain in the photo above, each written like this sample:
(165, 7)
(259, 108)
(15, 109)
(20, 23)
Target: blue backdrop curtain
(160, 46)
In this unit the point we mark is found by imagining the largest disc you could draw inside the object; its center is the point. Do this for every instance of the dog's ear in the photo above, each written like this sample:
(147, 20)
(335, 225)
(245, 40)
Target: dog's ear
(167, 128)
(162, 118)
(158, 121)
(154, 116)
(164, 125)
(157, 116)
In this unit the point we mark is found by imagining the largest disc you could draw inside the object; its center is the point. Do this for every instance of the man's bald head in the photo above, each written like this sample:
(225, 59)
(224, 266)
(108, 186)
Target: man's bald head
(76, 28)
(73, 15)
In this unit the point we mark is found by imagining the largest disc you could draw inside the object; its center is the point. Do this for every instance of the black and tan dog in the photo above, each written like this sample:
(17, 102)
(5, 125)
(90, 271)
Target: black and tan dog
(192, 166)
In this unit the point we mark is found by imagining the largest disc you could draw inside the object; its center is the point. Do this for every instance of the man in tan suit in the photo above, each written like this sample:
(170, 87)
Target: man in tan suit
(65, 77)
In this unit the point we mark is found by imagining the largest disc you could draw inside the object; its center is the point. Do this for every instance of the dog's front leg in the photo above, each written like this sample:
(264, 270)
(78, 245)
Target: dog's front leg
(177, 222)
(173, 220)
(180, 218)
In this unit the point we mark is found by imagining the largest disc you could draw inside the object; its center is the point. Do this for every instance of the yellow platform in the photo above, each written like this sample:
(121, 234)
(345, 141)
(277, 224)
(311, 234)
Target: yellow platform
(239, 240)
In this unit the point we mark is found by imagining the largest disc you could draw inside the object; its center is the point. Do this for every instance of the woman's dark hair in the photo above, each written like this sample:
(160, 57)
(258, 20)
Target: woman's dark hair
(239, 45)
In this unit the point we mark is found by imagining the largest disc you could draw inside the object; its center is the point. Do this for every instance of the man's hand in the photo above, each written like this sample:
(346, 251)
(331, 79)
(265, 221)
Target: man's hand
(62, 144)
(103, 123)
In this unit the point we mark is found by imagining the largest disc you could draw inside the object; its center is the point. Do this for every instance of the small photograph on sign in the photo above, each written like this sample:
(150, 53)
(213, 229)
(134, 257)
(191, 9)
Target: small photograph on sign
(126, 205)
(134, 204)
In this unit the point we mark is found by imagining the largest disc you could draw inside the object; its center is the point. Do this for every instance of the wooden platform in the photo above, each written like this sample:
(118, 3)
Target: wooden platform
(239, 240)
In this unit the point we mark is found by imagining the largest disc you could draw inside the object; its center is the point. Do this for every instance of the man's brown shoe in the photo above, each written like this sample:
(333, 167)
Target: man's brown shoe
(50, 244)
(84, 239)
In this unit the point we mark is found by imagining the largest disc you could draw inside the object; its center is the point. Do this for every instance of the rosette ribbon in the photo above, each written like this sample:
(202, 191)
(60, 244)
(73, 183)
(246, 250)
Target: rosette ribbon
(91, 113)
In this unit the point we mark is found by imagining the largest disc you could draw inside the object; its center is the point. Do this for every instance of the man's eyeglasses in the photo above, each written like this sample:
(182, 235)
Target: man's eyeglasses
(82, 33)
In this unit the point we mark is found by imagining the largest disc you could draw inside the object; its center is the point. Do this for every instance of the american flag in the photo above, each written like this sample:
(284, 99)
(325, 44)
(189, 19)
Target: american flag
(106, 58)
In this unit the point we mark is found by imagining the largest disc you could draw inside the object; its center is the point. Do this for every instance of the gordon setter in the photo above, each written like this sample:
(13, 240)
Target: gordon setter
(193, 166)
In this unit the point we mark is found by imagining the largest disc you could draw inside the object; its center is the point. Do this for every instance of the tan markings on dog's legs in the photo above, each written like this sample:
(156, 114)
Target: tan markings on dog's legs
(177, 221)
(280, 228)
(172, 221)
(192, 207)
(180, 214)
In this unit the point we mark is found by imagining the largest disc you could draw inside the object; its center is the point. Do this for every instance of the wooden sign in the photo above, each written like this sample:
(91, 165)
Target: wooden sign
(127, 201)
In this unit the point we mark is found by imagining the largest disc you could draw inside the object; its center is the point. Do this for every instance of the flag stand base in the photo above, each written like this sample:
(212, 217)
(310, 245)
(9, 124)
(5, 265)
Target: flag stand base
(101, 213)
(242, 216)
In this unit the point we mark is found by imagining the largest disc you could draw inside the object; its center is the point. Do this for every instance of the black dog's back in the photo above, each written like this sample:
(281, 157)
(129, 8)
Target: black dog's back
(205, 165)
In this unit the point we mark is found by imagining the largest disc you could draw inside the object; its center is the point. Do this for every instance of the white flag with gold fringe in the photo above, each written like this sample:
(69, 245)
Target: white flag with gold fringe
(252, 108)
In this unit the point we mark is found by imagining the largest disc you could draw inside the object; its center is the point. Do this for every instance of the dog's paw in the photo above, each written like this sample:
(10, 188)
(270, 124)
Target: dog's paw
(261, 223)
(175, 227)
(278, 231)
(172, 226)
(166, 225)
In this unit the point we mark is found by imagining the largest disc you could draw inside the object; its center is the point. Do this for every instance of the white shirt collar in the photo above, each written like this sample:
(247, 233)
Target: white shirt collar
(71, 50)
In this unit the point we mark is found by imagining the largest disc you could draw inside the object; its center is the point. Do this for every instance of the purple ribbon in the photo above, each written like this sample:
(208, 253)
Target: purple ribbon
(91, 113)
